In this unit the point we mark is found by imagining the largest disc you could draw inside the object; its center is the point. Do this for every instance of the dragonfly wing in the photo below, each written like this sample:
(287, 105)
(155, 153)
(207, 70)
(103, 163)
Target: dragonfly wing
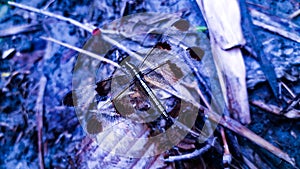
(79, 97)
(172, 33)
(170, 70)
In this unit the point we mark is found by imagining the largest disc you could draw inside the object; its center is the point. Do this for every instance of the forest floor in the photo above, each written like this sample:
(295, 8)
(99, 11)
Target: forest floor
(26, 58)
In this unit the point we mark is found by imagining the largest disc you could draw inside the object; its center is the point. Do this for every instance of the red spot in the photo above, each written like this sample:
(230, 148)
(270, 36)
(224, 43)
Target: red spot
(96, 32)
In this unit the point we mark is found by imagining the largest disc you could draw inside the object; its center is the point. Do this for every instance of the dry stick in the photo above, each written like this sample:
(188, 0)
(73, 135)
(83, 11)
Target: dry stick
(295, 14)
(226, 122)
(272, 19)
(41, 11)
(20, 29)
(292, 113)
(258, 5)
(48, 4)
(291, 105)
(227, 155)
(289, 113)
(192, 154)
(270, 108)
(288, 89)
(39, 117)
(249, 163)
(264, 21)
(91, 54)
(284, 33)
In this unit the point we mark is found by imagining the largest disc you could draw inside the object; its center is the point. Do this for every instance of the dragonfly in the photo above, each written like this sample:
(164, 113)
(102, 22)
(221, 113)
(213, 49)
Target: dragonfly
(161, 67)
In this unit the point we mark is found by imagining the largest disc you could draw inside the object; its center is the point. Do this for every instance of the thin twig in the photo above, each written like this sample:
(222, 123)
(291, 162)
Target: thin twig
(266, 22)
(41, 11)
(288, 89)
(284, 33)
(227, 158)
(88, 28)
(193, 154)
(20, 29)
(39, 117)
(270, 108)
(295, 14)
(91, 54)
(291, 105)
(249, 163)
(48, 4)
(290, 113)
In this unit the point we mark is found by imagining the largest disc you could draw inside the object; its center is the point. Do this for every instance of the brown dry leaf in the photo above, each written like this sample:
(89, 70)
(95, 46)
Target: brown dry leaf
(222, 17)
(226, 34)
